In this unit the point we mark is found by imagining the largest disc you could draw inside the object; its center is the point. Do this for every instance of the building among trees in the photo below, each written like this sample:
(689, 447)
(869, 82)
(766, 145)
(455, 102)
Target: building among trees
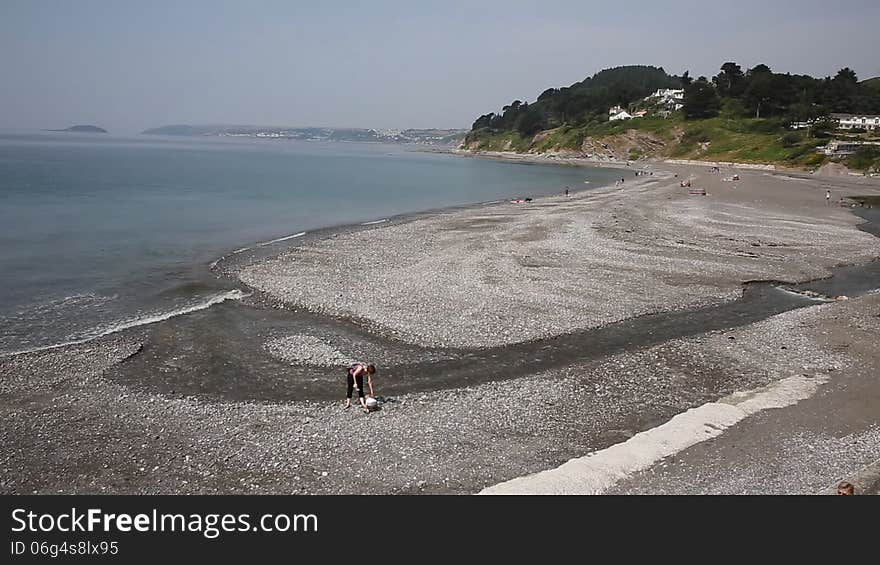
(855, 121)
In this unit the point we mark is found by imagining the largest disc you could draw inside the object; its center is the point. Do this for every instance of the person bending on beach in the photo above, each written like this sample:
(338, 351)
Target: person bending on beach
(355, 379)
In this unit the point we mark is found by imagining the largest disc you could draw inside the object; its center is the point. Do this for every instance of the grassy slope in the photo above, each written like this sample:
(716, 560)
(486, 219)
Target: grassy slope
(717, 139)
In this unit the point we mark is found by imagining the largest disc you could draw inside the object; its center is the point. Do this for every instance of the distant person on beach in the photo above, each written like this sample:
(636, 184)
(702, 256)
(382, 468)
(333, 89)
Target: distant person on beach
(827, 197)
(846, 489)
(355, 379)
(566, 192)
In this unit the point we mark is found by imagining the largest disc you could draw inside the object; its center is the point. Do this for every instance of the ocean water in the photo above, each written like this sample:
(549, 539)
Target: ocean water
(100, 233)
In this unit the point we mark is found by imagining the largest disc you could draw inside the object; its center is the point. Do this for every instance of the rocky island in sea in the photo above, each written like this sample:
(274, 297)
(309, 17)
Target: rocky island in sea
(82, 129)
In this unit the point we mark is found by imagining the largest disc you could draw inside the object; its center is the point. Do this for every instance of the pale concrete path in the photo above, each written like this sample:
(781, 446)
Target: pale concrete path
(797, 436)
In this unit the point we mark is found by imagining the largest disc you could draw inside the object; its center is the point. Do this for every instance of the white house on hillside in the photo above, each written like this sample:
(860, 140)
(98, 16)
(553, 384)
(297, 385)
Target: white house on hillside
(669, 94)
(673, 98)
(622, 115)
(850, 121)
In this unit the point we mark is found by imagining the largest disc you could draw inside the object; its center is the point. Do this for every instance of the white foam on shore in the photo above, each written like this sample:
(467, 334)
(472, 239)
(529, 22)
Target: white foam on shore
(280, 239)
(375, 222)
(596, 472)
(142, 321)
(263, 244)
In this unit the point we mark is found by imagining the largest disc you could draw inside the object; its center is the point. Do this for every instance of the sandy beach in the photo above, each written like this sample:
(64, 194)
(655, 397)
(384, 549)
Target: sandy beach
(497, 276)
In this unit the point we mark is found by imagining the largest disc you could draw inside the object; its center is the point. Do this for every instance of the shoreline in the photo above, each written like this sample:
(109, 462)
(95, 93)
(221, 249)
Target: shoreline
(330, 231)
(572, 158)
(561, 158)
(220, 267)
(598, 225)
(254, 251)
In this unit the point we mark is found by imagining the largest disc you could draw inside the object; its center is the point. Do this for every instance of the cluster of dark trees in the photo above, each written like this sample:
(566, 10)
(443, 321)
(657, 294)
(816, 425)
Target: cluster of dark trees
(761, 93)
(580, 102)
(757, 92)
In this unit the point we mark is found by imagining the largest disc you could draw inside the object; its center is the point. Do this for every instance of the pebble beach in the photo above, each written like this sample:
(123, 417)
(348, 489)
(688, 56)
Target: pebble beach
(492, 276)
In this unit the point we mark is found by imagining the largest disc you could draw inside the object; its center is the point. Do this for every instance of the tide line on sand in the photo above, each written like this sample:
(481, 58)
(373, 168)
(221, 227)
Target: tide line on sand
(280, 239)
(234, 294)
(262, 244)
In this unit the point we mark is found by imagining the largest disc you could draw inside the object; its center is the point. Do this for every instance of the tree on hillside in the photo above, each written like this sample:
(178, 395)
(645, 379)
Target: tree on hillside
(822, 127)
(759, 92)
(700, 100)
(759, 70)
(530, 122)
(847, 76)
(842, 93)
(582, 101)
(730, 82)
(484, 121)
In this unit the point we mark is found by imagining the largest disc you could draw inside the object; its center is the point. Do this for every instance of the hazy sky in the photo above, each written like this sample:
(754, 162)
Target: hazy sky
(129, 65)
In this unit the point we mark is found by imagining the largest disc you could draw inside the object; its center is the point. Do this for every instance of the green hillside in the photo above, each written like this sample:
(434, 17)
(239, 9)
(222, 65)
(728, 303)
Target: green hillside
(735, 116)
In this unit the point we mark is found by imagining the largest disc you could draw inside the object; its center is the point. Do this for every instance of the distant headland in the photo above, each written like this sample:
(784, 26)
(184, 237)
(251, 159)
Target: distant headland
(82, 129)
(443, 137)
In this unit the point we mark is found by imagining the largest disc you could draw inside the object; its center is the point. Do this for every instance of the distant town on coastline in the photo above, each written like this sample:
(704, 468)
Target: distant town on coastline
(755, 115)
(417, 136)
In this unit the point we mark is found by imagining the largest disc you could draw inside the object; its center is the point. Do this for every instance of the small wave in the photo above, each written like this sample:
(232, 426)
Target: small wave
(213, 264)
(86, 297)
(142, 321)
(374, 222)
(285, 238)
(82, 300)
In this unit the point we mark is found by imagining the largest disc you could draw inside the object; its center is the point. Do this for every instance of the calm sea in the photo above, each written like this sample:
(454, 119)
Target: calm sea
(100, 233)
